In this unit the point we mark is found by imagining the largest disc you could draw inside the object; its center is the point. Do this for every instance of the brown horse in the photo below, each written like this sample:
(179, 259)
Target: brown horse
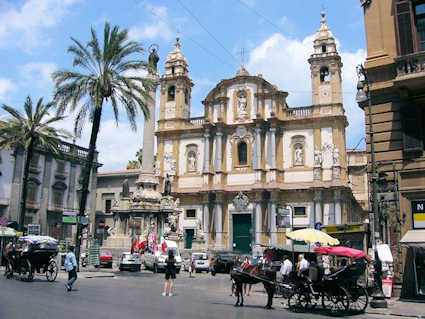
(253, 275)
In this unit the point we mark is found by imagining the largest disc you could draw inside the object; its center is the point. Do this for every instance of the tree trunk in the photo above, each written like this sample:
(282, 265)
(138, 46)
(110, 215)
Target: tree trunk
(86, 177)
(25, 185)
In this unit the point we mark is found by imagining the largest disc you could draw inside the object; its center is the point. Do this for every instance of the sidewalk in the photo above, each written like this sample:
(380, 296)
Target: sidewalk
(85, 273)
(400, 308)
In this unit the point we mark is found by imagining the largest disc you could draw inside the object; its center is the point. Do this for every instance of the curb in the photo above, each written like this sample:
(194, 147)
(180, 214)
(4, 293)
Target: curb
(395, 314)
(99, 276)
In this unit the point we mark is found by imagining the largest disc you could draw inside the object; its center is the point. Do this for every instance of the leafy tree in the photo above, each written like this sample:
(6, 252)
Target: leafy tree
(133, 164)
(105, 74)
(28, 131)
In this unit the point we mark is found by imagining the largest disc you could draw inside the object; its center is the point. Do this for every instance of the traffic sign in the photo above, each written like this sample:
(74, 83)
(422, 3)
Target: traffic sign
(318, 226)
(101, 223)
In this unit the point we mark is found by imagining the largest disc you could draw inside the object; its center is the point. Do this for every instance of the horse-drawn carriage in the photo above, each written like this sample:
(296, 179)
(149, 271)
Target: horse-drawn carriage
(31, 254)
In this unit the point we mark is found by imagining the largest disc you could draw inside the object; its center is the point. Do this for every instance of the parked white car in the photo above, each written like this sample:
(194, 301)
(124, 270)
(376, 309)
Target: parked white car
(201, 262)
(155, 261)
(129, 261)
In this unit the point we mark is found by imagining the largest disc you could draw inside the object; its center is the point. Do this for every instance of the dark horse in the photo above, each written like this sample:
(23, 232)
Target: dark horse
(254, 275)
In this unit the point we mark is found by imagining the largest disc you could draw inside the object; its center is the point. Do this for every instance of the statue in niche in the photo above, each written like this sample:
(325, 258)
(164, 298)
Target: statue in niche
(242, 105)
(299, 155)
(192, 161)
(167, 186)
(317, 158)
(125, 188)
(172, 222)
(336, 156)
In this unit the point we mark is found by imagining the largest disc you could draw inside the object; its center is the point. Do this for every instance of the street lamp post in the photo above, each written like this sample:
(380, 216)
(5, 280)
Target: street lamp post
(363, 95)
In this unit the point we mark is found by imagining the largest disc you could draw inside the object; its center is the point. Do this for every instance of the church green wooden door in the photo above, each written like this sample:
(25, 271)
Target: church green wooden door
(189, 238)
(242, 233)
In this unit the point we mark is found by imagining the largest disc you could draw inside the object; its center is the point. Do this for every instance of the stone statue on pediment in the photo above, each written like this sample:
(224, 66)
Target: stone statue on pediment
(125, 188)
(242, 106)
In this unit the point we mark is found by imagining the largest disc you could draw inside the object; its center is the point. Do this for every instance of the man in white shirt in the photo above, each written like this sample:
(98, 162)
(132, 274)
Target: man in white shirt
(303, 264)
(285, 268)
(71, 268)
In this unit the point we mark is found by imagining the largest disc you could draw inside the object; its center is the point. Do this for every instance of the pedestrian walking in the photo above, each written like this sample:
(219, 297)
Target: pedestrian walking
(170, 274)
(286, 268)
(71, 268)
(191, 266)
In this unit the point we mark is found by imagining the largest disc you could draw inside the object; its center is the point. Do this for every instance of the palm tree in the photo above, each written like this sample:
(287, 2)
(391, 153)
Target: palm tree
(106, 72)
(28, 131)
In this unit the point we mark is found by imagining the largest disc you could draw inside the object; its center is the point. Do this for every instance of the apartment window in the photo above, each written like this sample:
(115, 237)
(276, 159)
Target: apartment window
(58, 199)
(242, 153)
(191, 213)
(412, 118)
(32, 192)
(410, 26)
(108, 205)
(299, 211)
(34, 160)
(61, 166)
(171, 93)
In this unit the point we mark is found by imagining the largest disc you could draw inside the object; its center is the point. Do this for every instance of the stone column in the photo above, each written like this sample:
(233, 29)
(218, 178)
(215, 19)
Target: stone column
(45, 192)
(218, 224)
(338, 210)
(273, 147)
(273, 228)
(206, 167)
(258, 147)
(218, 152)
(318, 215)
(258, 223)
(206, 222)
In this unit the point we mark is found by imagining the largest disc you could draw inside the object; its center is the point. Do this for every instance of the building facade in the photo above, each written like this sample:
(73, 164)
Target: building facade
(395, 65)
(53, 189)
(236, 168)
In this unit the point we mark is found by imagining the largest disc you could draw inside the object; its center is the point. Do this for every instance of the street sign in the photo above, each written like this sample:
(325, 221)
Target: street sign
(101, 223)
(83, 220)
(4, 221)
(318, 226)
(418, 214)
(33, 229)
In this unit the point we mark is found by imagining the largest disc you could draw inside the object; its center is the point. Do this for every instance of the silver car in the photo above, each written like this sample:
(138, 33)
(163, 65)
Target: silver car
(201, 262)
(129, 261)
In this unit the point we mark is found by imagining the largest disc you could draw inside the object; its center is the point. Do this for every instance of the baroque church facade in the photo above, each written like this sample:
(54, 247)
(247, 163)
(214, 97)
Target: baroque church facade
(252, 156)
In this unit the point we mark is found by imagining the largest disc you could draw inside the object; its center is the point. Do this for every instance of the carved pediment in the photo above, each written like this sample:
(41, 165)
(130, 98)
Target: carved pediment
(241, 202)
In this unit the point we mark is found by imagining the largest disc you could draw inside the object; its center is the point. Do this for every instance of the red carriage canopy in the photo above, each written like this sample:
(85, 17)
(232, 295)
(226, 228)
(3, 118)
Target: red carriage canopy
(342, 251)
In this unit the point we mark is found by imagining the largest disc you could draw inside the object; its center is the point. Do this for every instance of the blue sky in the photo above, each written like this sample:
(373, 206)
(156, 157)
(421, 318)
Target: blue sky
(276, 36)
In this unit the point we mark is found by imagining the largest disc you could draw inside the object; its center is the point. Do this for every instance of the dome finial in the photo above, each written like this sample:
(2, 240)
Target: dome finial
(177, 44)
(323, 20)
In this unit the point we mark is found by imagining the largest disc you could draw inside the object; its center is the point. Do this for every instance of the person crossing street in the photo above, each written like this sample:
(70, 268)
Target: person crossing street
(71, 268)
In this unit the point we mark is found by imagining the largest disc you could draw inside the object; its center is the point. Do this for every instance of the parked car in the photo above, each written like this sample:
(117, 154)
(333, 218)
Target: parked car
(129, 261)
(201, 262)
(222, 263)
(105, 258)
(155, 261)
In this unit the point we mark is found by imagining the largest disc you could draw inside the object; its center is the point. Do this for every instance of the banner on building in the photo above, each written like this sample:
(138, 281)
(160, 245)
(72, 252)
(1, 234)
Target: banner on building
(418, 214)
(33, 229)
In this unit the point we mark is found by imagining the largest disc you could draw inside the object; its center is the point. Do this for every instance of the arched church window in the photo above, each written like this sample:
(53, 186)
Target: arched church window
(186, 96)
(242, 153)
(324, 74)
(172, 70)
(171, 93)
(323, 48)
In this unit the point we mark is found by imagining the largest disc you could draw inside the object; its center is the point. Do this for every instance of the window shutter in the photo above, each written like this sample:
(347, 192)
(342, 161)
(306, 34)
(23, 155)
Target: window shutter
(404, 26)
(412, 128)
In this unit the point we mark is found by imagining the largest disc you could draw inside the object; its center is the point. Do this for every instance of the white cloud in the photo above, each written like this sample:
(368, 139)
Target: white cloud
(283, 61)
(159, 28)
(26, 22)
(6, 87)
(38, 73)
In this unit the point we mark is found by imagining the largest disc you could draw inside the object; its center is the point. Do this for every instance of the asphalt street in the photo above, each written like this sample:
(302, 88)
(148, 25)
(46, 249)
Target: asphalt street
(135, 295)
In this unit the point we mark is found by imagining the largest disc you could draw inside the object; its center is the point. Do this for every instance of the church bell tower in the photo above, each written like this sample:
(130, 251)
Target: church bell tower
(176, 87)
(325, 66)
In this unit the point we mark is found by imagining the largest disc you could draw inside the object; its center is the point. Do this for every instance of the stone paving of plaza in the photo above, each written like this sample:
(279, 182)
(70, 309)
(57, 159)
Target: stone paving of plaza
(135, 295)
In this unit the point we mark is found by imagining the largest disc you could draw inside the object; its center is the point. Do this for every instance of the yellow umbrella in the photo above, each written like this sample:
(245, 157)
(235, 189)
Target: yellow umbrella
(310, 235)
(7, 232)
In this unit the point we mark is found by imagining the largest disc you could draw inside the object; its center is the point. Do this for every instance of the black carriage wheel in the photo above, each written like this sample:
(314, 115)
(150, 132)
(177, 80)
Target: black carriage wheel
(26, 270)
(52, 271)
(9, 270)
(359, 299)
(299, 302)
(336, 301)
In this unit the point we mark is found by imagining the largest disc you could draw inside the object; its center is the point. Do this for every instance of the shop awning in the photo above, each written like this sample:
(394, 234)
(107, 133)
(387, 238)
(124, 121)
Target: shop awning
(414, 238)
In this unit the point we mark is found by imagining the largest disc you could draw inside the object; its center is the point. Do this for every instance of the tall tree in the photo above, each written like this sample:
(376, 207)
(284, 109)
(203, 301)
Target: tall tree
(105, 74)
(27, 131)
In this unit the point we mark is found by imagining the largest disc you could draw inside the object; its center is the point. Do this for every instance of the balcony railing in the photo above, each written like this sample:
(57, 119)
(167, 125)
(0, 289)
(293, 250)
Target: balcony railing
(300, 111)
(410, 64)
(198, 121)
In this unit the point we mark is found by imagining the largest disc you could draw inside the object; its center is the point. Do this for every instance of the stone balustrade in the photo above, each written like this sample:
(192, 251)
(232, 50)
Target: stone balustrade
(410, 64)
(197, 121)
